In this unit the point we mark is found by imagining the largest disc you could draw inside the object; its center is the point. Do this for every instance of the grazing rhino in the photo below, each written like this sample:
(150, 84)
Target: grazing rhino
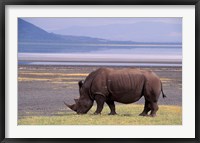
(121, 85)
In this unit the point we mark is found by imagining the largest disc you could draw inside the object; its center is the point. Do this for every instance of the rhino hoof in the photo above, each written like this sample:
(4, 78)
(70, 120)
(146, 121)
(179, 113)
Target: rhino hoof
(95, 113)
(112, 113)
(143, 114)
(152, 115)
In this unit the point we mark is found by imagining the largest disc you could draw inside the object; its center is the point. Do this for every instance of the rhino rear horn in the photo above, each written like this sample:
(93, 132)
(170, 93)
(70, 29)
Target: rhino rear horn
(76, 101)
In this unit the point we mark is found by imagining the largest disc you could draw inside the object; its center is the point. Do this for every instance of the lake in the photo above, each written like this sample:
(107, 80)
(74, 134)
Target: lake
(100, 54)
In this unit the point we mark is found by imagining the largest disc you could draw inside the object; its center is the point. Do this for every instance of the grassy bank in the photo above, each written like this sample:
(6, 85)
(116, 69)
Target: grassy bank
(127, 115)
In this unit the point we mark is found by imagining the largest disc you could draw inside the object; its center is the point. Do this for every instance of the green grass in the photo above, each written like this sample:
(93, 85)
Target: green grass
(127, 115)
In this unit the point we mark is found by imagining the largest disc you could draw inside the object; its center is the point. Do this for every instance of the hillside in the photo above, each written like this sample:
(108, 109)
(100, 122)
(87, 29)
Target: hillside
(28, 32)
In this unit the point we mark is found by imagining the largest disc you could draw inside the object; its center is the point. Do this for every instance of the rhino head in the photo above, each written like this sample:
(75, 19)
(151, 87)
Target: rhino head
(84, 103)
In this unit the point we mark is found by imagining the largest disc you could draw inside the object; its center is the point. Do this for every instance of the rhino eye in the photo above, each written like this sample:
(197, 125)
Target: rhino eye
(85, 106)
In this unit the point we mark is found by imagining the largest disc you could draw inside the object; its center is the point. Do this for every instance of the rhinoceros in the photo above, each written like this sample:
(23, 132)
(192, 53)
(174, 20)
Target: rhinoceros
(126, 85)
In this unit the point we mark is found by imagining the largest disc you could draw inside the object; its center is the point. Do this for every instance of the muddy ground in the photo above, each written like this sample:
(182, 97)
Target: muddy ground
(42, 89)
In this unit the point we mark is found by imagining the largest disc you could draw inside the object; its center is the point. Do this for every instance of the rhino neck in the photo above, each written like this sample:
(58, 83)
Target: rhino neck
(91, 95)
(88, 83)
(91, 79)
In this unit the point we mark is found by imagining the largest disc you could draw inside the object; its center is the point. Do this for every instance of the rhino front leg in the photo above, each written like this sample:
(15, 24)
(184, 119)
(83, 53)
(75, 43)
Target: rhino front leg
(111, 105)
(100, 103)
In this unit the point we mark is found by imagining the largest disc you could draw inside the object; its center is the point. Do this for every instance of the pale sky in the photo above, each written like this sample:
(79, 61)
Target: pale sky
(51, 24)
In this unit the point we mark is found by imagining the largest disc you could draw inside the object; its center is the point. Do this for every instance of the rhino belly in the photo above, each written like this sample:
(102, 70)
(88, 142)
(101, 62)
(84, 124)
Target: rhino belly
(125, 89)
(125, 97)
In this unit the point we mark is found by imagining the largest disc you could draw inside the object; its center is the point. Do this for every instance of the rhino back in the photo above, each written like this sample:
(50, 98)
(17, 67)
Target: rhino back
(123, 81)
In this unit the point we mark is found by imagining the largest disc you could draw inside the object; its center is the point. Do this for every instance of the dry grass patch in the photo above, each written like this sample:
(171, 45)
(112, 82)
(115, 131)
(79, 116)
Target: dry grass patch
(127, 115)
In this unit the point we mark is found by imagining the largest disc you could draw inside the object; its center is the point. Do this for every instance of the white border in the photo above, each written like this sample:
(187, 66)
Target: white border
(187, 130)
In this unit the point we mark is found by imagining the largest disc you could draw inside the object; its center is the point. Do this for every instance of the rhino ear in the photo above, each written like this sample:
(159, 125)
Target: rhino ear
(80, 83)
(76, 101)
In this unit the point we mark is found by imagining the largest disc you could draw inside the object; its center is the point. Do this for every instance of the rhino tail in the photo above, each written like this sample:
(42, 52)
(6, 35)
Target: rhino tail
(164, 96)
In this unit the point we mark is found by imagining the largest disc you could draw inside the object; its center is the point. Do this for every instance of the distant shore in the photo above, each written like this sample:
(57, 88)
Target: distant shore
(100, 57)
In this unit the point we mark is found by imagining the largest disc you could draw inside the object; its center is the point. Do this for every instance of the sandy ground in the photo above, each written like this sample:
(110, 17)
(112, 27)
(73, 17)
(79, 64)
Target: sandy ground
(42, 89)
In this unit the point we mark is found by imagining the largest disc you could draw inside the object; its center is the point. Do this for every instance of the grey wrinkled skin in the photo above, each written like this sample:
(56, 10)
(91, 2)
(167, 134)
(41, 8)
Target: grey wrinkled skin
(125, 85)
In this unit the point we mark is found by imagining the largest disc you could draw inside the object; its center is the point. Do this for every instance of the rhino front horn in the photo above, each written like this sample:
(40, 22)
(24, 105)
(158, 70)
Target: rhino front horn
(72, 107)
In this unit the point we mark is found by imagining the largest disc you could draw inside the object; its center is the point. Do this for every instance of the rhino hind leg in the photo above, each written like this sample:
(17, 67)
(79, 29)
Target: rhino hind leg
(100, 103)
(111, 105)
(147, 108)
(154, 109)
(151, 99)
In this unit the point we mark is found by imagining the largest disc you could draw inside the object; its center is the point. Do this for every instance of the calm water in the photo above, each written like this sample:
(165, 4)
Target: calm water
(110, 54)
(103, 64)
(97, 48)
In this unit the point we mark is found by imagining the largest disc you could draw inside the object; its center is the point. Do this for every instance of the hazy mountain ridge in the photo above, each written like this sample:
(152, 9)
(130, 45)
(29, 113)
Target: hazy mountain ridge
(28, 32)
(141, 31)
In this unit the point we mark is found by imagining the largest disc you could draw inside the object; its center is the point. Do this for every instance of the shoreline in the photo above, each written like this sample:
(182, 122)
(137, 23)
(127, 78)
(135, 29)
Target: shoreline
(101, 64)
(81, 57)
(120, 66)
